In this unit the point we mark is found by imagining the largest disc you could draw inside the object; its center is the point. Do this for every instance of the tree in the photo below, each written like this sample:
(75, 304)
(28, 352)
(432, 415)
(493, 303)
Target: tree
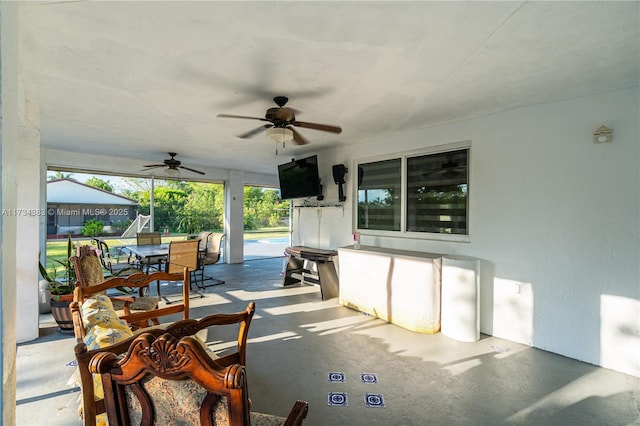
(263, 207)
(96, 182)
(60, 175)
(168, 205)
(195, 206)
(205, 202)
(137, 185)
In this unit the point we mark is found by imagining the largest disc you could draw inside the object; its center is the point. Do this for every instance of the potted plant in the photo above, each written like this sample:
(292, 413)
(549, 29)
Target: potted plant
(61, 290)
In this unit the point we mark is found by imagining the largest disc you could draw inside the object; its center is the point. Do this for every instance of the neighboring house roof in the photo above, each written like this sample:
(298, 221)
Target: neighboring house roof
(68, 191)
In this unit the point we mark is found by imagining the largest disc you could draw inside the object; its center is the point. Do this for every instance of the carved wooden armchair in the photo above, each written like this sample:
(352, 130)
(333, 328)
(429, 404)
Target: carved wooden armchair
(164, 380)
(93, 403)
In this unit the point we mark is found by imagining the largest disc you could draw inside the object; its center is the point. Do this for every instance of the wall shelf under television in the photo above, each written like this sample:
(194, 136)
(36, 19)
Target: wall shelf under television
(305, 206)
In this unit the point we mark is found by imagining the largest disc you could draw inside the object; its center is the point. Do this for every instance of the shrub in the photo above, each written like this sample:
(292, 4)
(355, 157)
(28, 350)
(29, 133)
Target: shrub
(189, 224)
(250, 222)
(120, 226)
(92, 228)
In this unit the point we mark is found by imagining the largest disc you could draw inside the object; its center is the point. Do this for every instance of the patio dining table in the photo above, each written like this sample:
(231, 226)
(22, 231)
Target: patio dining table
(148, 252)
(148, 255)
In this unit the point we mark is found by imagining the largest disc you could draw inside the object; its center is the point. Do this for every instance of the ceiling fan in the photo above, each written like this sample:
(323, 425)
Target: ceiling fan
(173, 166)
(282, 122)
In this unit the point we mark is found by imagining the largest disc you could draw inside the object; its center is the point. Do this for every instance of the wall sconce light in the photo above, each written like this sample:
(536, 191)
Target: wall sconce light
(603, 134)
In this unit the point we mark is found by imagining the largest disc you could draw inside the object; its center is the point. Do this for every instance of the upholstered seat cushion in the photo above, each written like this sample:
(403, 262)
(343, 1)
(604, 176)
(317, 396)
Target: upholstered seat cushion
(262, 419)
(101, 323)
(179, 402)
(146, 303)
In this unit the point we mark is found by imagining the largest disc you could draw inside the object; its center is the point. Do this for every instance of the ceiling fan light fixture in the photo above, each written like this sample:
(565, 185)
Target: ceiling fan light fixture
(173, 172)
(603, 134)
(280, 134)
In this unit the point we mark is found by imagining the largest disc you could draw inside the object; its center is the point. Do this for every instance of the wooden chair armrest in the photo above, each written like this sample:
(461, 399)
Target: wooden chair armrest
(297, 413)
(137, 317)
(78, 326)
(125, 299)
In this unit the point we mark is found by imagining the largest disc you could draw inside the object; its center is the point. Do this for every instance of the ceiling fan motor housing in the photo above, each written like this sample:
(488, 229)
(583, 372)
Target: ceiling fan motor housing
(280, 117)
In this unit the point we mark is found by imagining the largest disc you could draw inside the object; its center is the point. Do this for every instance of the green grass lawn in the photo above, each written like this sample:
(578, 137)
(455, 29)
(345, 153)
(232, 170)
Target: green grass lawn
(57, 249)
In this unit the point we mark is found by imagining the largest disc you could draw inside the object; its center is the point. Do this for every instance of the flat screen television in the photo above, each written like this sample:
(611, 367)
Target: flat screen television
(299, 178)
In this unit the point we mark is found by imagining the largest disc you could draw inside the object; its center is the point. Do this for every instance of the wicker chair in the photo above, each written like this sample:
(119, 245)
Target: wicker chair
(203, 237)
(182, 254)
(147, 239)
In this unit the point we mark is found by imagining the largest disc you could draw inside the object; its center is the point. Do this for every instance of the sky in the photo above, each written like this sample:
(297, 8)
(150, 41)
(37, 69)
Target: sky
(116, 182)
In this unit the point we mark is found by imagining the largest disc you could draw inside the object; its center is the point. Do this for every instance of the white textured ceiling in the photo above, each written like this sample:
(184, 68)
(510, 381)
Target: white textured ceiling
(138, 79)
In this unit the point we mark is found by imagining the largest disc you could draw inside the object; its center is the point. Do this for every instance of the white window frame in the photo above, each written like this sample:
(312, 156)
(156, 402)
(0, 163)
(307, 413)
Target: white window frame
(466, 238)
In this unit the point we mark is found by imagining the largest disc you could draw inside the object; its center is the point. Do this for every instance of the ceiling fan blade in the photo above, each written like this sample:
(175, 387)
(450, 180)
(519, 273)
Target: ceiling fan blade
(191, 170)
(298, 139)
(252, 133)
(155, 165)
(241, 116)
(317, 126)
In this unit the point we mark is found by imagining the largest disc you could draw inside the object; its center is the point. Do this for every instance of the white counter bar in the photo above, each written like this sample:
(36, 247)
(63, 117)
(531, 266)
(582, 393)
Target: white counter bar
(397, 286)
(406, 288)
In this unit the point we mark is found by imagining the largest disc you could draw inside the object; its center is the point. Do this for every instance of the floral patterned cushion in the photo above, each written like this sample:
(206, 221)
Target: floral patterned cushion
(179, 402)
(98, 313)
(146, 303)
(261, 419)
(176, 402)
(102, 328)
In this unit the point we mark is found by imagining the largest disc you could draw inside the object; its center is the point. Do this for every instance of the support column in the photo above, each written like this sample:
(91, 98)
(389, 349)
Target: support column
(29, 211)
(234, 217)
(9, 110)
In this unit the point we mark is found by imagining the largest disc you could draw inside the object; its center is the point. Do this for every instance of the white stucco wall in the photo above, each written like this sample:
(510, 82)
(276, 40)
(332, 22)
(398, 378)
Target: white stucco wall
(554, 218)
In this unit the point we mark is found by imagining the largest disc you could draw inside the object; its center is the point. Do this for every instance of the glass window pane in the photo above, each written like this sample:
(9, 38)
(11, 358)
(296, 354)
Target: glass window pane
(437, 188)
(379, 199)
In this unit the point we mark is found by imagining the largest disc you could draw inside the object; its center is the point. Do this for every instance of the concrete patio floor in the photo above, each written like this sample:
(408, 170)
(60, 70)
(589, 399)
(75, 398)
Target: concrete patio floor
(296, 340)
